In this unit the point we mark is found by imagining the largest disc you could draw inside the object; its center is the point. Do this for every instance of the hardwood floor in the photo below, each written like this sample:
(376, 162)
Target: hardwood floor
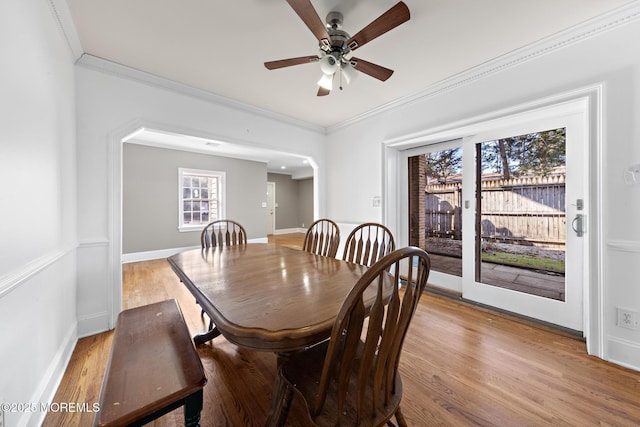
(461, 366)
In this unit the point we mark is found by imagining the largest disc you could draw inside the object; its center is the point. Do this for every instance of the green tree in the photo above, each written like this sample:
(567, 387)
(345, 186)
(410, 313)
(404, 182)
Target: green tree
(534, 153)
(440, 165)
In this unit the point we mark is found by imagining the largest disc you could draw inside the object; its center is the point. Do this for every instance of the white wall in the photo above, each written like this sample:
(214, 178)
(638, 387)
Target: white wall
(607, 54)
(53, 164)
(112, 102)
(37, 206)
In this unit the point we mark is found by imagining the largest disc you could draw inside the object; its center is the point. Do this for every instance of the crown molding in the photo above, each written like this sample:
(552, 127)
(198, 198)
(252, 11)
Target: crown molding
(62, 15)
(591, 28)
(609, 21)
(113, 68)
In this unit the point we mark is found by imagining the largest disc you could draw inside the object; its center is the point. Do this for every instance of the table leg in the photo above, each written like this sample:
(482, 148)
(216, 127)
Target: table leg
(279, 406)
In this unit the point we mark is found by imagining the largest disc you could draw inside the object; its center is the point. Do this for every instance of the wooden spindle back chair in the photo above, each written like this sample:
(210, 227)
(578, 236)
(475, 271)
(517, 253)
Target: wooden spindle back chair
(353, 379)
(223, 232)
(368, 243)
(322, 238)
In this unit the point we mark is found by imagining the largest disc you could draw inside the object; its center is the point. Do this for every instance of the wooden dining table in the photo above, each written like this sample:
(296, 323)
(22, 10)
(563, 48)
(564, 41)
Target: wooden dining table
(267, 297)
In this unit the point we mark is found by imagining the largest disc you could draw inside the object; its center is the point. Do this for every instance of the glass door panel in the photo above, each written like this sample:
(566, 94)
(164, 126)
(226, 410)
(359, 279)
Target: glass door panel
(521, 213)
(435, 205)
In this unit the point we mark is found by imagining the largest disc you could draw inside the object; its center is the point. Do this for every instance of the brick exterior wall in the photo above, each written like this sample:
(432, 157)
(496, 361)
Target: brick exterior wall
(417, 184)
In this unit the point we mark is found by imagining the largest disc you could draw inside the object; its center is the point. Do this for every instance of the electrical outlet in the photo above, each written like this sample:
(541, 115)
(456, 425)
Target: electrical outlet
(627, 318)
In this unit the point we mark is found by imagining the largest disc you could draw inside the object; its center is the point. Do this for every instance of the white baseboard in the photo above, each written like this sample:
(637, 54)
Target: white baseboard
(149, 255)
(93, 324)
(624, 353)
(166, 253)
(289, 231)
(50, 382)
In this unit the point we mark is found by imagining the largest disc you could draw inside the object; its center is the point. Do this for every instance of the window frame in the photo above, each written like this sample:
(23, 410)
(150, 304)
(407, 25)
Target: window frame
(221, 176)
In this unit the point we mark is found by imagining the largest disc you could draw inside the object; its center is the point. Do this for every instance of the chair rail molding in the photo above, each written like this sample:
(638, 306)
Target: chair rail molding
(624, 245)
(11, 281)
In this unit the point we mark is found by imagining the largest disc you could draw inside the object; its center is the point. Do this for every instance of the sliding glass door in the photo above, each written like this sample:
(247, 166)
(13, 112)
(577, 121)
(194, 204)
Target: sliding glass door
(501, 214)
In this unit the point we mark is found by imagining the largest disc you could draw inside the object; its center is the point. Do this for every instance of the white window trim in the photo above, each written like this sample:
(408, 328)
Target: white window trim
(222, 196)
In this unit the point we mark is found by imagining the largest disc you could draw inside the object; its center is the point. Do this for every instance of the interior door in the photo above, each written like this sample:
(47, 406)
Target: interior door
(271, 214)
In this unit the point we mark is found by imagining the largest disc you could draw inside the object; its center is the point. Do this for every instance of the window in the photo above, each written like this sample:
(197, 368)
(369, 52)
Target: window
(201, 198)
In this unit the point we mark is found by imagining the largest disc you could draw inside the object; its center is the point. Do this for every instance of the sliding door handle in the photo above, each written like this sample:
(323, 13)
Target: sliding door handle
(578, 225)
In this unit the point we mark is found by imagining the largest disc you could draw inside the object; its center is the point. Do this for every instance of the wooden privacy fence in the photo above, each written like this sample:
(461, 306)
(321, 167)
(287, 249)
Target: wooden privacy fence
(518, 210)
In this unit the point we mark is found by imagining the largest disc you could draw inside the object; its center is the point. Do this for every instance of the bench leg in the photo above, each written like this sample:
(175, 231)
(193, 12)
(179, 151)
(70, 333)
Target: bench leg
(192, 409)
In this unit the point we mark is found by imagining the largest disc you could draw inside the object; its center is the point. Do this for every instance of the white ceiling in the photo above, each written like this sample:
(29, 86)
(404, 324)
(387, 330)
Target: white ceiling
(278, 162)
(220, 46)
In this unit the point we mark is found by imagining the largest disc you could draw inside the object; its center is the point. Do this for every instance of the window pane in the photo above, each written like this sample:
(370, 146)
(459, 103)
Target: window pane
(199, 197)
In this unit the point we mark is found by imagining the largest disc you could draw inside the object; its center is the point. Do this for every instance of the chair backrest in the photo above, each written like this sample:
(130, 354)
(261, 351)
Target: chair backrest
(224, 232)
(368, 243)
(363, 362)
(322, 238)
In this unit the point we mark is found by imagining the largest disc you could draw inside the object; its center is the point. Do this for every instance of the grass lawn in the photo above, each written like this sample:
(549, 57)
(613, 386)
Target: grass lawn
(524, 261)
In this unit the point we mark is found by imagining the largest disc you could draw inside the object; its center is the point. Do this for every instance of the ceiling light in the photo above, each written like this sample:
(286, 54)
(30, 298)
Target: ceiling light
(329, 64)
(348, 72)
(326, 81)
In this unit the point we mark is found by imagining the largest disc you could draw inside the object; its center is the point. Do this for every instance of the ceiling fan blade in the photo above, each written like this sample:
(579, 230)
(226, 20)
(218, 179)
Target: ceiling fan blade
(272, 65)
(323, 92)
(393, 17)
(376, 71)
(310, 17)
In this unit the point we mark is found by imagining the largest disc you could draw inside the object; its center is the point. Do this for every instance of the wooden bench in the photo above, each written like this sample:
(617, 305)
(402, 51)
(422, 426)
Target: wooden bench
(153, 368)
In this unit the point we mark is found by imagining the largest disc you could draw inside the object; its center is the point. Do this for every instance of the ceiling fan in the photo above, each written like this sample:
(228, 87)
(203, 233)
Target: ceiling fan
(336, 45)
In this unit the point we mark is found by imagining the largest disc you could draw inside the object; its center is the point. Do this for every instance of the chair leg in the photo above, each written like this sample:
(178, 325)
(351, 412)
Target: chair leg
(400, 418)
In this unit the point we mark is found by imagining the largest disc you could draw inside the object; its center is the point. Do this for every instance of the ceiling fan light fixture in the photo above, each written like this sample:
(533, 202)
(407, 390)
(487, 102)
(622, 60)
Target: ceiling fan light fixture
(348, 72)
(329, 64)
(326, 81)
